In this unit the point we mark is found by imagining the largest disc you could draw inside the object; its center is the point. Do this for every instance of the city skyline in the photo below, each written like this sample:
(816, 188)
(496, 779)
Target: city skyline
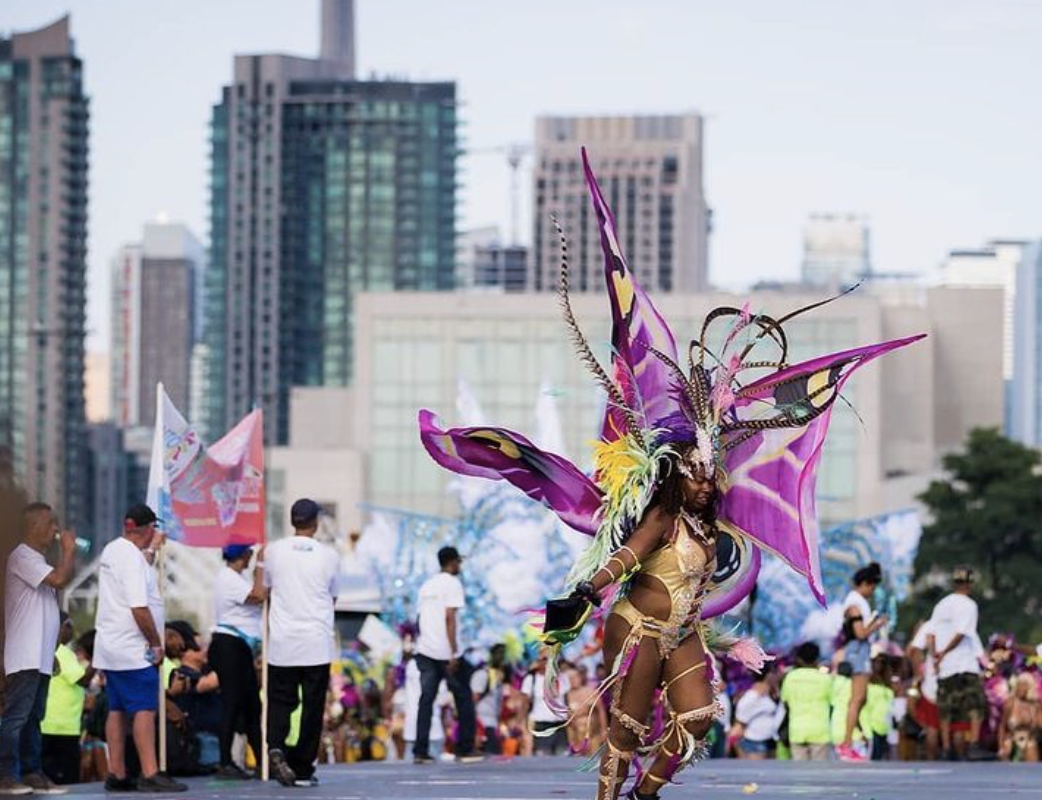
(902, 114)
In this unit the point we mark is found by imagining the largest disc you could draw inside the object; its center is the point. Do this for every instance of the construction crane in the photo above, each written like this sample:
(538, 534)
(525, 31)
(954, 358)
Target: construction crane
(516, 153)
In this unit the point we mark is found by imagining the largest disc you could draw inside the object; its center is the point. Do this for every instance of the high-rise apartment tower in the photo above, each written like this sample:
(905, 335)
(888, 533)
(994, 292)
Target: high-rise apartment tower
(43, 267)
(650, 170)
(321, 186)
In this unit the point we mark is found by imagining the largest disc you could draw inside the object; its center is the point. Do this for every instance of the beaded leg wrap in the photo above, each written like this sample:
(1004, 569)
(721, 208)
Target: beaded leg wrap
(688, 748)
(615, 768)
(629, 723)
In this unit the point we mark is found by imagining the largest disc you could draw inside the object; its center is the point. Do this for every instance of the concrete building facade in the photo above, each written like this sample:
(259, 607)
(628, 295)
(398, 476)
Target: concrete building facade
(511, 351)
(320, 461)
(995, 265)
(836, 250)
(43, 246)
(321, 186)
(650, 170)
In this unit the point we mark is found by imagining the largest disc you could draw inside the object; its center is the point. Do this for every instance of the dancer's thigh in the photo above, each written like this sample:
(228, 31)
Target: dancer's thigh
(638, 686)
(692, 688)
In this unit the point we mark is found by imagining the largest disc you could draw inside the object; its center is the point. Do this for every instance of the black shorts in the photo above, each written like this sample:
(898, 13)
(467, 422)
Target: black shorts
(960, 698)
(551, 743)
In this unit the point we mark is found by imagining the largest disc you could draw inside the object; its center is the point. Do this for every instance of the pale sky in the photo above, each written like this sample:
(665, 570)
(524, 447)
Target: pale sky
(921, 114)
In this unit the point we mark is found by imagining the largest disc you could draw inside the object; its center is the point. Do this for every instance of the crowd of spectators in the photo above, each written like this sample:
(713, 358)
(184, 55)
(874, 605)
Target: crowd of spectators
(945, 695)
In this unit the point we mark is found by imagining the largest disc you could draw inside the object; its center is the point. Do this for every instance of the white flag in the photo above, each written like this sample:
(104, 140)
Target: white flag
(175, 444)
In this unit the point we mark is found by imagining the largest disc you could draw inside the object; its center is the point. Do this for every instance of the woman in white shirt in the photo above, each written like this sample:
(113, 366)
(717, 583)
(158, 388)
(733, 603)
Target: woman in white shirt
(859, 628)
(233, 648)
(757, 716)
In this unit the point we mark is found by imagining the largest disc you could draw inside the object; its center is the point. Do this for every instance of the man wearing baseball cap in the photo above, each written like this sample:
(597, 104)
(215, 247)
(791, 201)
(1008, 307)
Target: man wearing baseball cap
(956, 648)
(128, 649)
(301, 575)
(438, 657)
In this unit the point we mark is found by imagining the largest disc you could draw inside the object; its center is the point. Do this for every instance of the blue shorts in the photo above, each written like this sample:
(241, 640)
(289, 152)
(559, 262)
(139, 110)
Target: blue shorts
(859, 656)
(132, 690)
(754, 747)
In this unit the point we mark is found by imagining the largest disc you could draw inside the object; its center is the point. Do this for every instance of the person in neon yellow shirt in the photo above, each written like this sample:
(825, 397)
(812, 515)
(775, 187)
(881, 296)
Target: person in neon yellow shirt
(63, 719)
(842, 689)
(875, 716)
(807, 693)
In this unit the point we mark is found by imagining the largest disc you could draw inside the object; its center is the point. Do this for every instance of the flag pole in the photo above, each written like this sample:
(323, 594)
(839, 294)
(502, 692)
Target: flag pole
(264, 761)
(156, 474)
(264, 691)
(161, 578)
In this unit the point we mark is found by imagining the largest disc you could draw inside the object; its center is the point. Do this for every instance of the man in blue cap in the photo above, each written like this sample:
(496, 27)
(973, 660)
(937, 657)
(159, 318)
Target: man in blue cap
(301, 574)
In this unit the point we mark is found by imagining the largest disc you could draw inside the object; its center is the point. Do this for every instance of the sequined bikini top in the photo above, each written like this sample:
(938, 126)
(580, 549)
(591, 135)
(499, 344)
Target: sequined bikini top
(681, 564)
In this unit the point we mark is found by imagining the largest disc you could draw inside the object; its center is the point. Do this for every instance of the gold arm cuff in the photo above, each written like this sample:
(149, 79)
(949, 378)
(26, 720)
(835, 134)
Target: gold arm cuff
(621, 564)
(636, 558)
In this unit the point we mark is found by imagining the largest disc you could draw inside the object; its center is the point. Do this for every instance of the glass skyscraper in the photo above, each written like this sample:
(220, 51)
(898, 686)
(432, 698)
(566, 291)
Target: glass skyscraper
(43, 235)
(321, 186)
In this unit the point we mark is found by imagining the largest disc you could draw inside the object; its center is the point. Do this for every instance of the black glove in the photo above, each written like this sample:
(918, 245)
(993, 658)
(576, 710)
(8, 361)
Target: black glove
(585, 590)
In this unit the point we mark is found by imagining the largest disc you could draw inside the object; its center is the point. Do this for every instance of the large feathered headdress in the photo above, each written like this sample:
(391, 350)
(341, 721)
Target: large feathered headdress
(739, 409)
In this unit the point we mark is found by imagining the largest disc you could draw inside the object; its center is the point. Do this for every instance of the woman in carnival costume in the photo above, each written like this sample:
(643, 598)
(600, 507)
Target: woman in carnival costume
(695, 471)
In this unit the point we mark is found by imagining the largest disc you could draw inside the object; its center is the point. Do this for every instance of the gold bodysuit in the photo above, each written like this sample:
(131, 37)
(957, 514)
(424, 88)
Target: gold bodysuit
(684, 571)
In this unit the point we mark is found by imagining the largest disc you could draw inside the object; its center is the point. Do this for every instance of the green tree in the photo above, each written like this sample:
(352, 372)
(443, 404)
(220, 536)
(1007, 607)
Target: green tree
(987, 514)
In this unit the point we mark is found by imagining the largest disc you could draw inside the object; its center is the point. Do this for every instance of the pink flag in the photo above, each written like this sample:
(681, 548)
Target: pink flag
(208, 497)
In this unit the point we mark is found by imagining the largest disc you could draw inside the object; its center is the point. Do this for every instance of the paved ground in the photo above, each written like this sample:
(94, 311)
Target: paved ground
(556, 778)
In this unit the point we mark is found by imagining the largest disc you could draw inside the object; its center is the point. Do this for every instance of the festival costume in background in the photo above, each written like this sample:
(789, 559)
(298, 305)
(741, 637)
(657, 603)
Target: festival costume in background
(761, 437)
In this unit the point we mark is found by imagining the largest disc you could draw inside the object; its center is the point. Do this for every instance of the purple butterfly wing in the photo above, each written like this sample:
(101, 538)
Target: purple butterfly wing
(500, 454)
(636, 325)
(770, 495)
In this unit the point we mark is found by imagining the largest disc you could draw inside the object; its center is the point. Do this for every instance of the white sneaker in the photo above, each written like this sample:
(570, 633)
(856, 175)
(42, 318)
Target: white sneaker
(9, 786)
(41, 784)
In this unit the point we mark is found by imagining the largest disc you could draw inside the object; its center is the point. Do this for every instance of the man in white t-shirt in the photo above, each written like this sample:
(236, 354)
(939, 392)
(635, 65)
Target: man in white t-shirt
(438, 657)
(542, 718)
(128, 648)
(302, 575)
(960, 694)
(31, 625)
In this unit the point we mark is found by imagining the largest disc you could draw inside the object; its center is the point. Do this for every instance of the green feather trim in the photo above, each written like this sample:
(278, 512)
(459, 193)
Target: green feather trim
(718, 640)
(628, 475)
